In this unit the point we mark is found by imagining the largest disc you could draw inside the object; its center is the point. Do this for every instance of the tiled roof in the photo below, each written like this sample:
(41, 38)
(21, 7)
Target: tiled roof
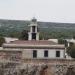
(34, 42)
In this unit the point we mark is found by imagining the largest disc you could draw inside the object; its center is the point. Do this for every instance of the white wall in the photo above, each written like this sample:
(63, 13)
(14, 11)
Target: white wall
(29, 36)
(51, 53)
(9, 39)
(40, 53)
(54, 40)
(28, 53)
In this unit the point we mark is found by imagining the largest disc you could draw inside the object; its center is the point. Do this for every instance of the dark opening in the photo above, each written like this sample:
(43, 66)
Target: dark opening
(46, 53)
(34, 54)
(34, 36)
(57, 53)
(33, 28)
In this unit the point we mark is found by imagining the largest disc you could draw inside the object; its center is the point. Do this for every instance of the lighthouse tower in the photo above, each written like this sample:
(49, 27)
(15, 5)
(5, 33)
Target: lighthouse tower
(33, 34)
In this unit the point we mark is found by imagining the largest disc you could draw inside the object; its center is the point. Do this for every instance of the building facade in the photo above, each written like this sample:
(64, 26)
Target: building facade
(33, 48)
(37, 49)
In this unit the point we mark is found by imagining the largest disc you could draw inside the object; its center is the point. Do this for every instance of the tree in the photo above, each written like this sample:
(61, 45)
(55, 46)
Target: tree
(24, 35)
(71, 50)
(62, 41)
(2, 40)
(73, 36)
(14, 34)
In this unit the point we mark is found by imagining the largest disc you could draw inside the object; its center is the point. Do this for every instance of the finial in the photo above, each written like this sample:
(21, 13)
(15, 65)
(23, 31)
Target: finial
(34, 19)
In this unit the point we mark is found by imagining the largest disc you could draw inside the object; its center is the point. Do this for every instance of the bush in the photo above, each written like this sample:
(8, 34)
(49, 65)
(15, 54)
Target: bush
(2, 40)
(71, 51)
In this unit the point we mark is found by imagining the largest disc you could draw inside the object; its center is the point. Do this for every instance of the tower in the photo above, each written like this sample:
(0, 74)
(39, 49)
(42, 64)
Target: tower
(33, 34)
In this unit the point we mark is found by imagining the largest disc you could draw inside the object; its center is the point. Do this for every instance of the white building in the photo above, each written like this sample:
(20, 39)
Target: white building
(33, 48)
(9, 39)
(54, 40)
(70, 41)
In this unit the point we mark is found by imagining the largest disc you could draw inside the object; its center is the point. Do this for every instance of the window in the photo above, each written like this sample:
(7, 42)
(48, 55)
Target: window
(46, 53)
(57, 53)
(34, 36)
(33, 28)
(34, 54)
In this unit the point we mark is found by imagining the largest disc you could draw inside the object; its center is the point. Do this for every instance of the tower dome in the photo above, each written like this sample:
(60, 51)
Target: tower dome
(34, 19)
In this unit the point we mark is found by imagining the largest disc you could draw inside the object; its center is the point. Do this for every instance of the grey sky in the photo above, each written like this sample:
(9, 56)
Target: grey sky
(43, 10)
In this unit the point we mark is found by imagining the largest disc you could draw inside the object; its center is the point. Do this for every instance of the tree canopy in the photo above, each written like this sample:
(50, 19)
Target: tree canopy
(71, 50)
(2, 40)
(24, 35)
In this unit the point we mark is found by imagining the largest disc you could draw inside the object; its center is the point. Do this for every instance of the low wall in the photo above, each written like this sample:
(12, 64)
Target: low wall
(48, 61)
(55, 66)
(39, 67)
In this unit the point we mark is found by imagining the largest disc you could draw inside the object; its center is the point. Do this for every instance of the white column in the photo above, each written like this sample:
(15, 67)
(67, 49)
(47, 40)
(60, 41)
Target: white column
(37, 36)
(29, 36)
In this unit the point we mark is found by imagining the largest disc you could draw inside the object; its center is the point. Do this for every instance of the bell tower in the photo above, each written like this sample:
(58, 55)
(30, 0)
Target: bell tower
(33, 34)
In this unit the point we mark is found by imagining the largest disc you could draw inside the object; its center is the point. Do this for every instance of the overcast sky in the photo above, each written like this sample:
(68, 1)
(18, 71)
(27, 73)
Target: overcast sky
(43, 10)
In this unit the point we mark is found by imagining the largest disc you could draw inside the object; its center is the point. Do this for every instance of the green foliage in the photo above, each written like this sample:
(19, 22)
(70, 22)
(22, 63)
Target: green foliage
(2, 40)
(47, 29)
(61, 41)
(24, 35)
(43, 35)
(71, 51)
(73, 36)
(14, 34)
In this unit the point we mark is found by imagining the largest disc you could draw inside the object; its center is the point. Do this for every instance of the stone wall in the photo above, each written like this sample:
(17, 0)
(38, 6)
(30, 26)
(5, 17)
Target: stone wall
(10, 55)
(55, 66)
(39, 67)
